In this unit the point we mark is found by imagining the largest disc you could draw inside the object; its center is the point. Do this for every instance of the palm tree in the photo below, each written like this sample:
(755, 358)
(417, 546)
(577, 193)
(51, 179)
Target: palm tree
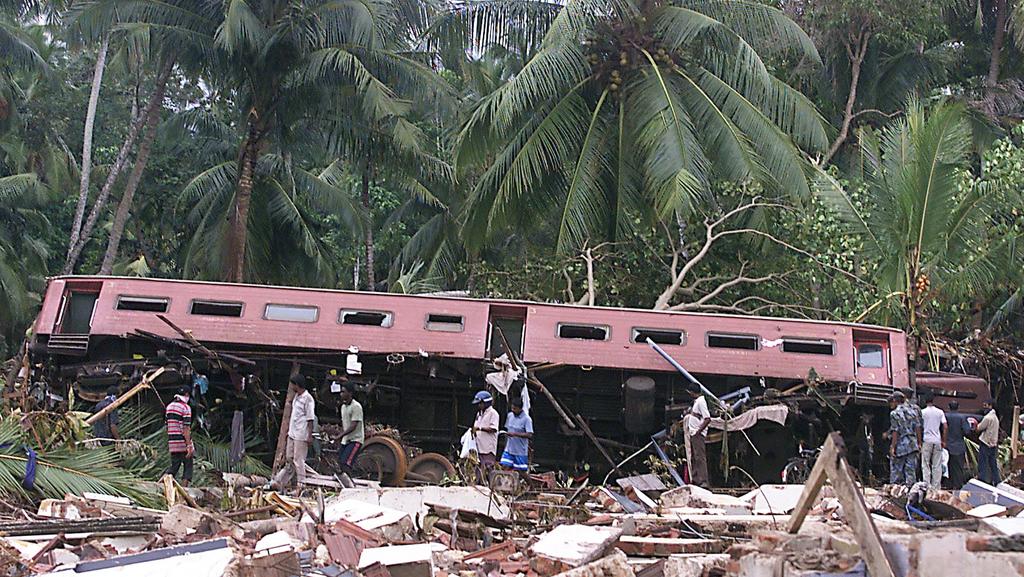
(285, 62)
(928, 228)
(630, 108)
(289, 200)
(23, 250)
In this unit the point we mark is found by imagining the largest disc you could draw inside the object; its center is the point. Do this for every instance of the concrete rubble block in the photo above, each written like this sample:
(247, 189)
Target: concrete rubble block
(390, 524)
(987, 510)
(181, 521)
(694, 496)
(946, 554)
(977, 493)
(665, 546)
(694, 565)
(614, 565)
(1002, 526)
(569, 546)
(401, 560)
(774, 499)
(416, 501)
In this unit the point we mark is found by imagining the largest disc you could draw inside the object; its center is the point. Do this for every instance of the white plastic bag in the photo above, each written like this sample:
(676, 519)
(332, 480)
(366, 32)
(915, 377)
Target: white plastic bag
(468, 444)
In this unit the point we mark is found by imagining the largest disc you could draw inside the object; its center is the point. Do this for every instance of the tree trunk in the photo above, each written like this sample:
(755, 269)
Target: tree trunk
(121, 217)
(371, 280)
(998, 39)
(239, 225)
(856, 55)
(152, 106)
(90, 122)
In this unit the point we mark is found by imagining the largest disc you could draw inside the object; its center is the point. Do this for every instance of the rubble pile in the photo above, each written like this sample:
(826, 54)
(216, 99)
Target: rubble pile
(638, 528)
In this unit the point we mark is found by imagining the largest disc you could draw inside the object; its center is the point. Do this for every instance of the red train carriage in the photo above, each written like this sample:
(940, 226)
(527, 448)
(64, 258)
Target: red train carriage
(423, 356)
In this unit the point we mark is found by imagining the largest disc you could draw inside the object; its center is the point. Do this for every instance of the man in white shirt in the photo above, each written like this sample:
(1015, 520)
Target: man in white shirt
(300, 435)
(485, 432)
(352, 433)
(697, 421)
(934, 437)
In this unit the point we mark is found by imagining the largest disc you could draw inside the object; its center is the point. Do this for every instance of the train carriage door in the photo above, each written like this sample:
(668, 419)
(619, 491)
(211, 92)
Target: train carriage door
(510, 322)
(872, 363)
(77, 308)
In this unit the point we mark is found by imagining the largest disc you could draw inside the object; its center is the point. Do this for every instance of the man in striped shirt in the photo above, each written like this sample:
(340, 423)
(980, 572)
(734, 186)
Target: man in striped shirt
(179, 435)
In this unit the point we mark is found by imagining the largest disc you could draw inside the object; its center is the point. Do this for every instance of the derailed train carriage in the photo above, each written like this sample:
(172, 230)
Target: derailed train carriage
(418, 359)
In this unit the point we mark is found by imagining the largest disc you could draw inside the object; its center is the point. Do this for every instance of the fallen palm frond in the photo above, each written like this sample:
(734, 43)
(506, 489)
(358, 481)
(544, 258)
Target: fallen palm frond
(62, 470)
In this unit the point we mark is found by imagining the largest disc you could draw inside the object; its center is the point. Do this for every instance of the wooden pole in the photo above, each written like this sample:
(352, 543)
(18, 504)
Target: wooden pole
(1015, 427)
(144, 384)
(286, 417)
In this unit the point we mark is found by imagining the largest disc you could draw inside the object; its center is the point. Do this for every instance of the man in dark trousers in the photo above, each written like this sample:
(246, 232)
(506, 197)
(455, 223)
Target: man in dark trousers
(352, 433)
(957, 427)
(179, 435)
(106, 428)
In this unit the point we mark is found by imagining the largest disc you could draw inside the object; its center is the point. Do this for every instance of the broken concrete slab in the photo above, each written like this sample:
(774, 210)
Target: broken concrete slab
(694, 496)
(614, 565)
(987, 510)
(416, 501)
(401, 560)
(774, 499)
(570, 546)
(391, 524)
(666, 546)
(1003, 525)
(694, 565)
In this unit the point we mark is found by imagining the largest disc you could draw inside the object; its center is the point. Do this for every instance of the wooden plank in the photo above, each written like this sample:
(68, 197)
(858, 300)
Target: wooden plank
(144, 384)
(1015, 439)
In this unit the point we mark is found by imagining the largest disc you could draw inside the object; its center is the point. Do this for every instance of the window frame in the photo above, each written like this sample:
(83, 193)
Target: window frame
(607, 332)
(192, 304)
(389, 318)
(634, 332)
(709, 334)
(427, 323)
(316, 309)
(881, 355)
(807, 341)
(117, 304)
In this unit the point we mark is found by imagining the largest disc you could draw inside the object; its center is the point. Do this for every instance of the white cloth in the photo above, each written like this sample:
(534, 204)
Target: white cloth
(699, 411)
(506, 375)
(468, 444)
(300, 427)
(749, 418)
(933, 418)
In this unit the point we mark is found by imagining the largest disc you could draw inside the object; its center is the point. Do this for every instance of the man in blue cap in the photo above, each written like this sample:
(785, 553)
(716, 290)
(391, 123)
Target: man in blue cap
(485, 433)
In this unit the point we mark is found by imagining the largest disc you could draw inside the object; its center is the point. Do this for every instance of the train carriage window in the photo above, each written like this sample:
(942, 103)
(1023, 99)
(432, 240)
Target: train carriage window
(870, 356)
(583, 332)
(294, 313)
(659, 336)
(142, 304)
(445, 323)
(216, 308)
(808, 346)
(366, 318)
(731, 341)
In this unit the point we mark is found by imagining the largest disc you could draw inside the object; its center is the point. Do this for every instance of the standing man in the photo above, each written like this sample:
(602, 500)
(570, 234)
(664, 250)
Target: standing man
(300, 435)
(106, 428)
(485, 432)
(179, 435)
(904, 440)
(352, 433)
(697, 422)
(519, 431)
(988, 437)
(935, 432)
(957, 427)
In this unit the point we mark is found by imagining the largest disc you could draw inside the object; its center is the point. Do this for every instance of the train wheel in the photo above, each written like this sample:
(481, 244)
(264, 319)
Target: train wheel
(431, 468)
(389, 455)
